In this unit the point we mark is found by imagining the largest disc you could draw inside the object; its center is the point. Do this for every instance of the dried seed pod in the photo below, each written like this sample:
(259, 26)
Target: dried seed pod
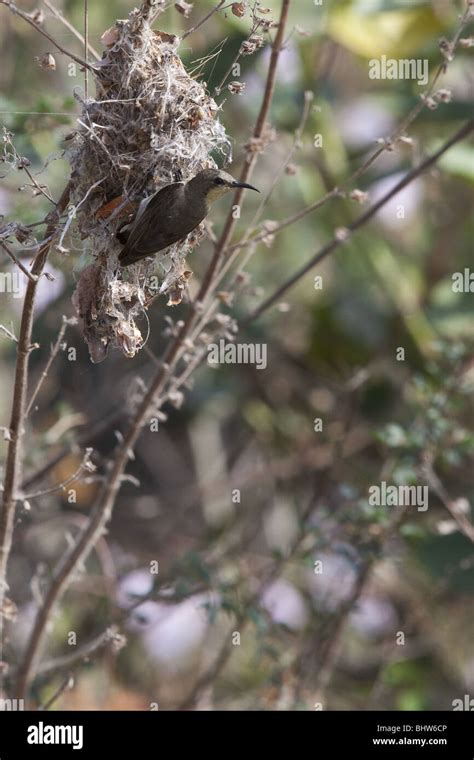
(446, 49)
(46, 61)
(239, 9)
(359, 196)
(443, 96)
(38, 16)
(184, 8)
(268, 226)
(236, 87)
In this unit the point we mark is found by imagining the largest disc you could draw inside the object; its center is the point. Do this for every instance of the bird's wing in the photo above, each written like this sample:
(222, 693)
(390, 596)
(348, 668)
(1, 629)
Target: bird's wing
(139, 242)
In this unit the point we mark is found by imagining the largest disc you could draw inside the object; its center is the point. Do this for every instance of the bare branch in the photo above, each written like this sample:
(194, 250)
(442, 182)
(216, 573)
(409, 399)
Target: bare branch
(17, 261)
(57, 14)
(12, 337)
(26, 17)
(85, 466)
(249, 165)
(429, 474)
(203, 20)
(17, 419)
(110, 637)
(44, 374)
(385, 145)
(66, 685)
(106, 500)
(337, 241)
(86, 46)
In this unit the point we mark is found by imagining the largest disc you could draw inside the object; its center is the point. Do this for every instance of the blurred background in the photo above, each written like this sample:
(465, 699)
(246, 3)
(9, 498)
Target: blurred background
(279, 585)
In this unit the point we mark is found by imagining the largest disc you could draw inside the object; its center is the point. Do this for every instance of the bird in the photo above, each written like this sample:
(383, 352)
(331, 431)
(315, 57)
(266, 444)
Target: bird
(173, 212)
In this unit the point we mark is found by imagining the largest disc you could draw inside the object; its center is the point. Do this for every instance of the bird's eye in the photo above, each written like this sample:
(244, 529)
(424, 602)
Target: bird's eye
(219, 181)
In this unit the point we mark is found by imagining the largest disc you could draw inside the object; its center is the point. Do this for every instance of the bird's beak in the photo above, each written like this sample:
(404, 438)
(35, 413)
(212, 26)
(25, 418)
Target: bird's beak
(245, 184)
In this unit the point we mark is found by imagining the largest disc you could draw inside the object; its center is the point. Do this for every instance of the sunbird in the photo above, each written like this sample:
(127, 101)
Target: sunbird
(173, 212)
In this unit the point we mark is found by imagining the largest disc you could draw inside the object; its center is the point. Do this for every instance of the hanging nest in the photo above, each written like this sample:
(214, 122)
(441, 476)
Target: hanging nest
(150, 124)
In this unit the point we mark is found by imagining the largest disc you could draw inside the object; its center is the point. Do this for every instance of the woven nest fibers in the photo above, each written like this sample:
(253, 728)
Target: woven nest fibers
(149, 124)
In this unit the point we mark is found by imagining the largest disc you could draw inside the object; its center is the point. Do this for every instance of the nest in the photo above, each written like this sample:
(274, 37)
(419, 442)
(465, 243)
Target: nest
(150, 124)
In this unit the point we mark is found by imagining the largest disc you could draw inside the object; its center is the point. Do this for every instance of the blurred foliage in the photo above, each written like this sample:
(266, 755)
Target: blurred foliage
(332, 354)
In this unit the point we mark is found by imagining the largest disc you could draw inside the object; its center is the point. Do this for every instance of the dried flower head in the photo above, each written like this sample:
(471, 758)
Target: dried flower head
(236, 87)
(46, 61)
(268, 226)
(38, 16)
(250, 46)
(443, 96)
(184, 8)
(446, 49)
(342, 234)
(359, 196)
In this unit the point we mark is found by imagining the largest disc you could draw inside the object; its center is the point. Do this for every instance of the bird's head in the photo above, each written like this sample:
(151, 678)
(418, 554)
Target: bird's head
(213, 183)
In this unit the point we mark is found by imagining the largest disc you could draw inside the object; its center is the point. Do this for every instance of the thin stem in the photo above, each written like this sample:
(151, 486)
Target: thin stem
(17, 12)
(372, 158)
(66, 684)
(249, 165)
(463, 523)
(17, 261)
(106, 500)
(57, 14)
(61, 486)
(203, 20)
(44, 374)
(359, 222)
(218, 87)
(86, 438)
(39, 187)
(68, 661)
(247, 238)
(14, 454)
(86, 45)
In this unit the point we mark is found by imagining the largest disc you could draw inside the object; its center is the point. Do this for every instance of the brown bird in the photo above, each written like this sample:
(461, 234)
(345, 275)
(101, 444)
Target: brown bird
(173, 212)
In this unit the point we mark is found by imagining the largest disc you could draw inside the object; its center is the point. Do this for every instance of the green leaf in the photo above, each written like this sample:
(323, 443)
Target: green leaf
(459, 160)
